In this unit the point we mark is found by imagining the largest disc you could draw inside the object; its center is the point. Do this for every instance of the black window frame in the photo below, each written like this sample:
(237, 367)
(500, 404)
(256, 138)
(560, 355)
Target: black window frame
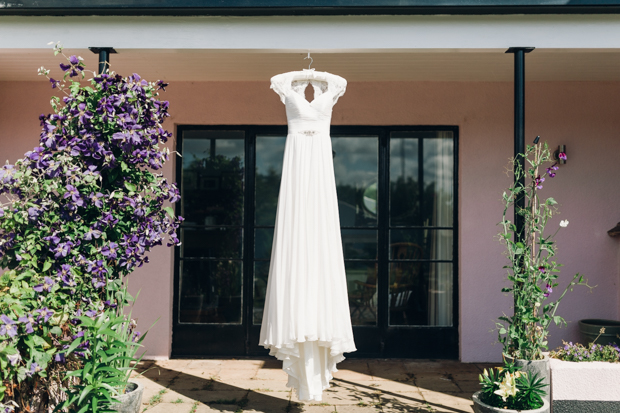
(373, 341)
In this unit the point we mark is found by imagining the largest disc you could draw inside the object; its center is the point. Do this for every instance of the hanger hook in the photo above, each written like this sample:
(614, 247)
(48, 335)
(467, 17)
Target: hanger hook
(311, 60)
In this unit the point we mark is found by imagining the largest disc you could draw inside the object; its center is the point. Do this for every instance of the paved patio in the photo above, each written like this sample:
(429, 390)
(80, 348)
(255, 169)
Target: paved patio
(259, 385)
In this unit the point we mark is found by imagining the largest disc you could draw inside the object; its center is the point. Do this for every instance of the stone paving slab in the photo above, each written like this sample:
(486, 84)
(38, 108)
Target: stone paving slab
(259, 385)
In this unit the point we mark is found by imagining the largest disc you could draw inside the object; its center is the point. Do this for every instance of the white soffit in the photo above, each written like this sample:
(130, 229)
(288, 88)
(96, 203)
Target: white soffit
(204, 65)
(315, 33)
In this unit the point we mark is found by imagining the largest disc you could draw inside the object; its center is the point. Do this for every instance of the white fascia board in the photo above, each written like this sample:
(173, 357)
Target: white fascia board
(315, 33)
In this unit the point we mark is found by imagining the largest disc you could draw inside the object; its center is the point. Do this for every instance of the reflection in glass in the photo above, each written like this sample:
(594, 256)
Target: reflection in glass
(211, 242)
(421, 195)
(210, 292)
(362, 289)
(263, 243)
(212, 177)
(356, 167)
(269, 155)
(359, 243)
(261, 274)
(404, 179)
(420, 294)
(438, 179)
(428, 244)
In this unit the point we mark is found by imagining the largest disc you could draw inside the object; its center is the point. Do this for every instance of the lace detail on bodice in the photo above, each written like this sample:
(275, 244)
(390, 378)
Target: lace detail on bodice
(324, 82)
(304, 117)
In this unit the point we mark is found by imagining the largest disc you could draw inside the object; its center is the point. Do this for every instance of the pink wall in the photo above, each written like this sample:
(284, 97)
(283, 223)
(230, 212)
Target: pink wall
(581, 115)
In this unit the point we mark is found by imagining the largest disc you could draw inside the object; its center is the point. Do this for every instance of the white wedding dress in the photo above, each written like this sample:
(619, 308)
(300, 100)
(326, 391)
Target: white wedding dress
(306, 320)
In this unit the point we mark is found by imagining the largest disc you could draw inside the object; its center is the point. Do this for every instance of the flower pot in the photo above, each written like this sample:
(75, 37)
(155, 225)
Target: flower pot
(131, 401)
(481, 407)
(540, 367)
(588, 386)
(590, 330)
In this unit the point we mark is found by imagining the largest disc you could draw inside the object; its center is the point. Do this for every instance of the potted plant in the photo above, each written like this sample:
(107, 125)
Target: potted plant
(509, 389)
(590, 330)
(77, 214)
(532, 269)
(585, 378)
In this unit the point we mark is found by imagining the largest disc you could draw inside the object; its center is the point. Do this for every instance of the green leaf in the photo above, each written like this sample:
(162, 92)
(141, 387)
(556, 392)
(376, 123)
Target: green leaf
(131, 187)
(170, 211)
(47, 265)
(40, 341)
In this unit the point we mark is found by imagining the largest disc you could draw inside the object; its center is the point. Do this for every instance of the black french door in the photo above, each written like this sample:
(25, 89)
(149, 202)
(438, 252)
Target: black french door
(397, 194)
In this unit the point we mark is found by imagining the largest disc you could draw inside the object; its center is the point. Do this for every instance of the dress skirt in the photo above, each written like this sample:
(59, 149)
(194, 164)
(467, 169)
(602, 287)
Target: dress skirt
(306, 320)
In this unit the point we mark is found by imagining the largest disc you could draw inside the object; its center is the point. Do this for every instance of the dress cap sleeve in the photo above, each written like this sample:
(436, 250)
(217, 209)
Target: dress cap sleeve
(337, 85)
(281, 85)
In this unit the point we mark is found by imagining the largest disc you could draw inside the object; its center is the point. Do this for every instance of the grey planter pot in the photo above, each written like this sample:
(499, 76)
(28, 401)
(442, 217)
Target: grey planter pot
(480, 407)
(590, 329)
(131, 401)
(540, 367)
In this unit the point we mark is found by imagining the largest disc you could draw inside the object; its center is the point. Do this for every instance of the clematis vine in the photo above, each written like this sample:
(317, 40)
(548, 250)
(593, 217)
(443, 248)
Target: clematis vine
(79, 212)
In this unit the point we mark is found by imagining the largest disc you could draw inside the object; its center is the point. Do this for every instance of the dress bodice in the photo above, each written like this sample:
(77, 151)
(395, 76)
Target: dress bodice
(305, 117)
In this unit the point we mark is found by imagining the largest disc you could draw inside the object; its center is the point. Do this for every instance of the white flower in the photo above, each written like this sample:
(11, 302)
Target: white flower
(564, 223)
(508, 387)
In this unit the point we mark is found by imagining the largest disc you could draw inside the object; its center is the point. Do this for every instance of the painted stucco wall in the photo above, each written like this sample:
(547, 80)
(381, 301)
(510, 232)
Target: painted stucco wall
(581, 115)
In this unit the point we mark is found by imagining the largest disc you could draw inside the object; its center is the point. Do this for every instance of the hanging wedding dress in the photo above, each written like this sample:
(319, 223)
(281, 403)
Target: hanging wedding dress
(306, 321)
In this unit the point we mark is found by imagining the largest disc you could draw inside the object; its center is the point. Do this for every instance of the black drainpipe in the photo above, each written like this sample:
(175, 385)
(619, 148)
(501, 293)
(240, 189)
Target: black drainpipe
(519, 149)
(104, 57)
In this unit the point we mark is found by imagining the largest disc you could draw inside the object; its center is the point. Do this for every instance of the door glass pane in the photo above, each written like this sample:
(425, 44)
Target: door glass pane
(261, 274)
(356, 168)
(404, 180)
(263, 243)
(269, 155)
(362, 286)
(212, 177)
(359, 243)
(211, 242)
(439, 180)
(415, 244)
(420, 294)
(210, 291)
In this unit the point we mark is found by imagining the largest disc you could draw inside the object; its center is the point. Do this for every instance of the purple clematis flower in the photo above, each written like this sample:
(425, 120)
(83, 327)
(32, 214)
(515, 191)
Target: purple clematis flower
(34, 368)
(161, 85)
(29, 321)
(96, 199)
(92, 233)
(8, 326)
(68, 281)
(44, 313)
(46, 285)
(33, 213)
(14, 359)
(74, 194)
(60, 358)
(62, 249)
(109, 251)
